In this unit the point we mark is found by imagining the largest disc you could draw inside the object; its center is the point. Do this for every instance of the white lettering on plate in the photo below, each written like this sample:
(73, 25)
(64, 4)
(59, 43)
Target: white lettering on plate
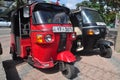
(62, 29)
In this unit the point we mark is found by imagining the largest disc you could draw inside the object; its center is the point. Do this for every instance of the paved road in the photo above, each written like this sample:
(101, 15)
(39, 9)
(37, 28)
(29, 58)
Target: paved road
(4, 31)
(91, 67)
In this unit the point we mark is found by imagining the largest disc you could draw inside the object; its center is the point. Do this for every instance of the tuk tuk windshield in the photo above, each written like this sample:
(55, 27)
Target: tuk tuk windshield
(91, 16)
(50, 17)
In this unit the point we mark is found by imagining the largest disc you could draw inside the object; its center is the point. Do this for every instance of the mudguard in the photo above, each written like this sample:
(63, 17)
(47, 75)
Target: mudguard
(66, 56)
(105, 43)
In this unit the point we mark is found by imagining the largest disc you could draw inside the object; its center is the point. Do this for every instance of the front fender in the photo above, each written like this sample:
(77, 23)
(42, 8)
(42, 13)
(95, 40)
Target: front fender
(66, 56)
(105, 43)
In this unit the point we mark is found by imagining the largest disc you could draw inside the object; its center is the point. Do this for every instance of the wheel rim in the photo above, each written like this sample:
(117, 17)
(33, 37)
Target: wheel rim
(66, 71)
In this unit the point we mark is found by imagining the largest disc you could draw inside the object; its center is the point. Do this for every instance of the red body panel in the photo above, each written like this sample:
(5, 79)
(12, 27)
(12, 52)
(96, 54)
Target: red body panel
(24, 44)
(40, 64)
(66, 56)
(47, 53)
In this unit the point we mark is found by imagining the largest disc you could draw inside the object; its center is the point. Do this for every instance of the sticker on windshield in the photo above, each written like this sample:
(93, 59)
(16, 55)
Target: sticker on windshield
(62, 29)
(100, 23)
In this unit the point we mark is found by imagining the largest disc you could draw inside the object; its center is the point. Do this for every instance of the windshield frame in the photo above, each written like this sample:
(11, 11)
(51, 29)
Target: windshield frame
(92, 17)
(51, 8)
(48, 17)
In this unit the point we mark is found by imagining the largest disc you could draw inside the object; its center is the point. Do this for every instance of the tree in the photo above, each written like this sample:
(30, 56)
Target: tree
(1, 2)
(84, 3)
(107, 8)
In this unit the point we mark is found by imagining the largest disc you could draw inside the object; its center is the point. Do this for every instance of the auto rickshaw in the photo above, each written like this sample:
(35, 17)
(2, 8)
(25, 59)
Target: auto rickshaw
(41, 34)
(91, 31)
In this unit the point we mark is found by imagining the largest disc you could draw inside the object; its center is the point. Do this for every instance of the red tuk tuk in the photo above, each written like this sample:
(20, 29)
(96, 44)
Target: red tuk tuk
(42, 34)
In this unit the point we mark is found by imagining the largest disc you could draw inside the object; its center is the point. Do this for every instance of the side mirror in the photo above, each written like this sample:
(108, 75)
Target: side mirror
(26, 12)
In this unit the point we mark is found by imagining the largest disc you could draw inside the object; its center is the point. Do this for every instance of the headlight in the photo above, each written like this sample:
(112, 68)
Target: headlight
(96, 31)
(45, 38)
(48, 38)
(93, 31)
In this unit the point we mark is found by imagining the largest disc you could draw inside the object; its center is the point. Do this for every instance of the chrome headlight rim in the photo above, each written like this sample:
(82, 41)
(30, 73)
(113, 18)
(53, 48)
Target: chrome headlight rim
(48, 38)
(96, 31)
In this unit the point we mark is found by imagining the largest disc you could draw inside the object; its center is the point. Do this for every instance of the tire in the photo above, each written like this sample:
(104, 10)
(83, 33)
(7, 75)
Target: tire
(13, 54)
(107, 53)
(74, 47)
(69, 71)
(30, 61)
(1, 51)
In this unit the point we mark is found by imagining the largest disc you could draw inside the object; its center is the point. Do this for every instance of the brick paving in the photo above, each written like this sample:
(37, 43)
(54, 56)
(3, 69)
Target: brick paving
(2, 73)
(91, 67)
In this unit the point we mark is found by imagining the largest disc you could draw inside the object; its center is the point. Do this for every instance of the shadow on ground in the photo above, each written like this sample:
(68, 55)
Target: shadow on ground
(10, 69)
(50, 70)
(87, 52)
(12, 73)
(56, 69)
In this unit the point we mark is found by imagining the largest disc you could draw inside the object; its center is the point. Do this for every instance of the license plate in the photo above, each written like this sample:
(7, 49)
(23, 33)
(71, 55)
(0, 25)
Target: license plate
(62, 29)
(100, 23)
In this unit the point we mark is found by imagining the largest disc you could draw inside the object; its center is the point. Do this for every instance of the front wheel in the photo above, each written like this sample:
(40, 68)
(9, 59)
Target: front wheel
(1, 49)
(69, 71)
(107, 52)
(76, 46)
(13, 54)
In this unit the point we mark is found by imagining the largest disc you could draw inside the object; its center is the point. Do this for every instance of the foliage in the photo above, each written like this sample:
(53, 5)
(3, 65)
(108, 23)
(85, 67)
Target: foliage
(84, 3)
(110, 17)
(109, 13)
(88, 4)
(1, 2)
